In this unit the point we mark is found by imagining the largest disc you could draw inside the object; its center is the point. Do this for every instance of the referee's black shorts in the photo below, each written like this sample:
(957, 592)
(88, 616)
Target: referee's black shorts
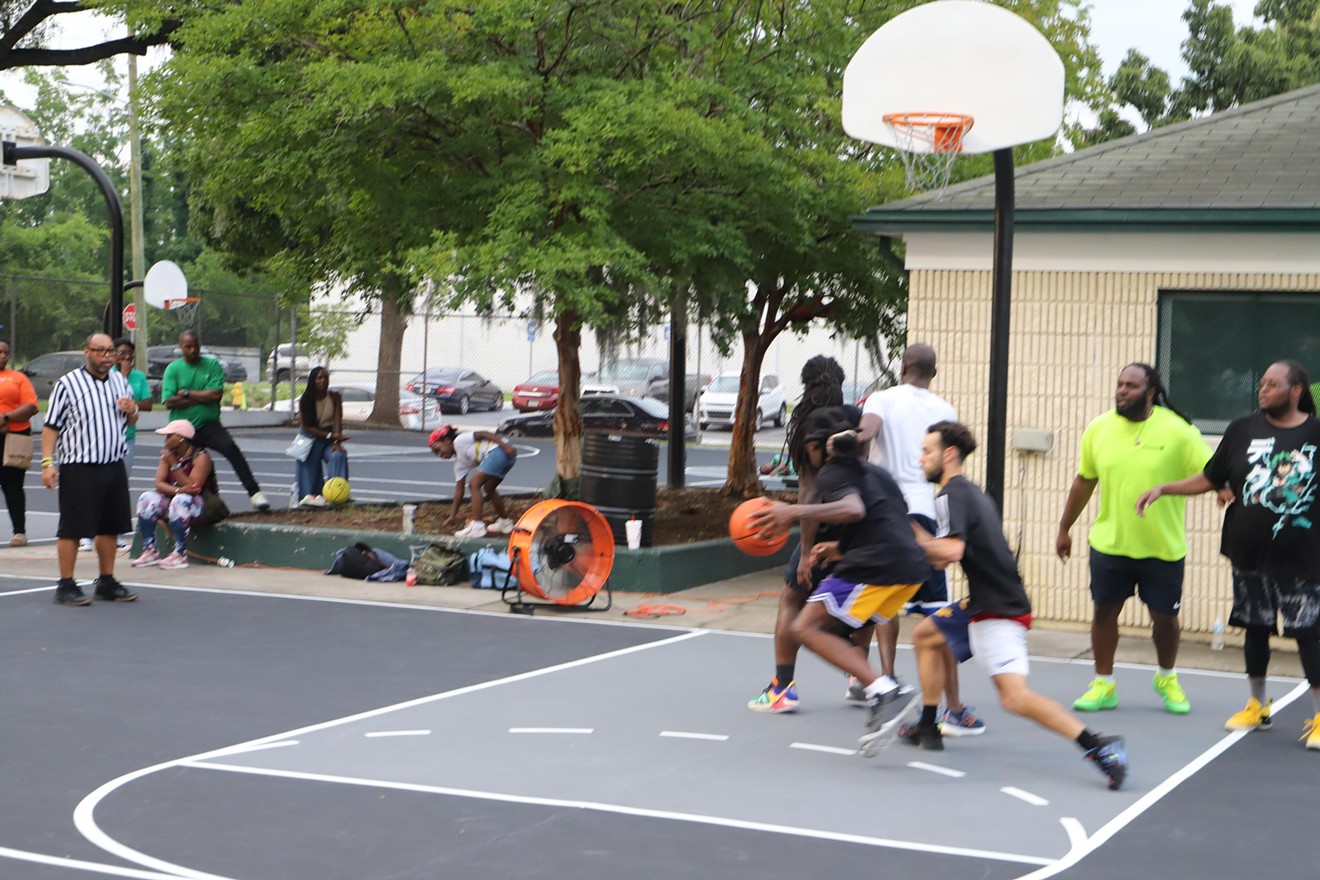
(93, 501)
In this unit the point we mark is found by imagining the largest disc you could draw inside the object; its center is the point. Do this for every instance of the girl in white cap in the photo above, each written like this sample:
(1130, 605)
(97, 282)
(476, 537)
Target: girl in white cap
(184, 471)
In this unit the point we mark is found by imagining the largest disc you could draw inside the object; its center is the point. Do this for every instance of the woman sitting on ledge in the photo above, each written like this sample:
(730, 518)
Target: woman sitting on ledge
(184, 471)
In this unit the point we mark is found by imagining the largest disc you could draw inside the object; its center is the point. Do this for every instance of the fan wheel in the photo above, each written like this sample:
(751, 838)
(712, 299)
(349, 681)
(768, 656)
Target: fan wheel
(562, 551)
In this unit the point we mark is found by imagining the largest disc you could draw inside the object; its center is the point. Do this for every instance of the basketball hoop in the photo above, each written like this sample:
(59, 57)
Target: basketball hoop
(928, 143)
(184, 309)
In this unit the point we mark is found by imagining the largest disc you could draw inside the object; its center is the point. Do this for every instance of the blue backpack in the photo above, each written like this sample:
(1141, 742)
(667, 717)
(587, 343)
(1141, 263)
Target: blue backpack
(490, 570)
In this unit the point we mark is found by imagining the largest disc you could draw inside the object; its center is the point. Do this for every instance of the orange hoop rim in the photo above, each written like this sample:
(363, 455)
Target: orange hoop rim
(946, 130)
(520, 543)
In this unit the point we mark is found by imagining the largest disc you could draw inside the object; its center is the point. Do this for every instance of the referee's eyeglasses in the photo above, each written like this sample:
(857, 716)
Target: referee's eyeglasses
(101, 350)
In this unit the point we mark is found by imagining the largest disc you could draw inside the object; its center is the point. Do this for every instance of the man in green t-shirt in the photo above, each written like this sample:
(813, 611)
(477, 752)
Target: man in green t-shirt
(192, 388)
(1127, 450)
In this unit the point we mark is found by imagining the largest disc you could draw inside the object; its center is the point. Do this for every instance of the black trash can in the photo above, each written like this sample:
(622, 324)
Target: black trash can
(619, 480)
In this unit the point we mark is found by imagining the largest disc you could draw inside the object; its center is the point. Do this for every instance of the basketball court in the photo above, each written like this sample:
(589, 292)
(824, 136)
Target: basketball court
(202, 733)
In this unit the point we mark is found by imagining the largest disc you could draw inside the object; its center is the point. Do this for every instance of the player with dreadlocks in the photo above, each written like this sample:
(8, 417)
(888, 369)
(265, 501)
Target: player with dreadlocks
(822, 388)
(1144, 441)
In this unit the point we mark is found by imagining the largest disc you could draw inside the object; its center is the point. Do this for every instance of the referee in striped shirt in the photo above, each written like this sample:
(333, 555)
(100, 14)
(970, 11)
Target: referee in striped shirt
(84, 431)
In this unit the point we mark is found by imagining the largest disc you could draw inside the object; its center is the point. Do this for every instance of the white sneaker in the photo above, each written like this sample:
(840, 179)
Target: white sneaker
(124, 542)
(312, 501)
(474, 529)
(501, 526)
(174, 561)
(84, 543)
(258, 499)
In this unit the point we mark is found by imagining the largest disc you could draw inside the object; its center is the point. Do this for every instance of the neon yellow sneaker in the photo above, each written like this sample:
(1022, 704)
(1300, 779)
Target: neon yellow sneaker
(1101, 695)
(1254, 717)
(1311, 732)
(1175, 701)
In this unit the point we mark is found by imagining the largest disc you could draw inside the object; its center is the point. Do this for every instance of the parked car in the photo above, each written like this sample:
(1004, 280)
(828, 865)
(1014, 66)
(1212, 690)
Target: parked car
(856, 392)
(602, 412)
(43, 371)
(416, 413)
(540, 391)
(719, 400)
(641, 377)
(458, 390)
(161, 356)
(286, 357)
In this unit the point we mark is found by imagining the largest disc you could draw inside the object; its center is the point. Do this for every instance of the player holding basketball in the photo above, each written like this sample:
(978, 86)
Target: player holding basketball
(878, 566)
(992, 623)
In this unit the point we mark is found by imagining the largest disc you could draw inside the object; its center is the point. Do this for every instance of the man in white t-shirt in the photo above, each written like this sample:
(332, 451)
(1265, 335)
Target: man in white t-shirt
(894, 421)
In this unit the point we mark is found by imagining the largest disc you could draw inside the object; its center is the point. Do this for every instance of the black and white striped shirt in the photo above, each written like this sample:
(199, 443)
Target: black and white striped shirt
(83, 410)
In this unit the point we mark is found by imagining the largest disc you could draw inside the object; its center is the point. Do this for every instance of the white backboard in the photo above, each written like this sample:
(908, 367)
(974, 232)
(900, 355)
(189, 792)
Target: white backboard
(957, 56)
(31, 177)
(165, 286)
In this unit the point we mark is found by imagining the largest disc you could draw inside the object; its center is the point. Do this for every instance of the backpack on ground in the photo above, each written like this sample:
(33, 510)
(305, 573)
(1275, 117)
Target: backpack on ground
(358, 562)
(441, 564)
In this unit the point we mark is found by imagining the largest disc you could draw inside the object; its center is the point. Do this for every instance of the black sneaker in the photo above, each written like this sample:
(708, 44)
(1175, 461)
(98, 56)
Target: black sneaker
(877, 713)
(928, 738)
(110, 590)
(67, 592)
(1111, 759)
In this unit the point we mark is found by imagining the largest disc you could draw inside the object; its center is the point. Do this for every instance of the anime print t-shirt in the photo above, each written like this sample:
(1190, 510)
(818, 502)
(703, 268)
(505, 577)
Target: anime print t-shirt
(1270, 526)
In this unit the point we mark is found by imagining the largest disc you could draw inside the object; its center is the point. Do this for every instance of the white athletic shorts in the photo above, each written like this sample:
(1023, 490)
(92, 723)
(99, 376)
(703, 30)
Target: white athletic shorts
(999, 645)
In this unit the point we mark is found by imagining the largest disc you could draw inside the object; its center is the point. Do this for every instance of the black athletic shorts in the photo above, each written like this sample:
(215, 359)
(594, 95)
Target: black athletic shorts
(93, 501)
(1114, 580)
(1260, 599)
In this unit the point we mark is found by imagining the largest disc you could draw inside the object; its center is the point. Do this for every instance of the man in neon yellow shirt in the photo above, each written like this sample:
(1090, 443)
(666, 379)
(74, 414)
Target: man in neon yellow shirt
(1136, 445)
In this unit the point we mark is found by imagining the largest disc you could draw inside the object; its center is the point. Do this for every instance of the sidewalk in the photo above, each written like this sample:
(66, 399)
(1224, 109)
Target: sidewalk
(743, 604)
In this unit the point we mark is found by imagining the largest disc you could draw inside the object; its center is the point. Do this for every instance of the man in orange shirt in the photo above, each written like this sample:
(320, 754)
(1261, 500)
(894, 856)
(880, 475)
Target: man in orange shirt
(18, 404)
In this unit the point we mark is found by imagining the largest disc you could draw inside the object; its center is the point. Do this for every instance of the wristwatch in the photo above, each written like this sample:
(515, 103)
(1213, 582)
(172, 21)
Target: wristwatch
(185, 392)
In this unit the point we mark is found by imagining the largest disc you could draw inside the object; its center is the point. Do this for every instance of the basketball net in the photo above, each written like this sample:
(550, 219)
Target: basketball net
(928, 143)
(184, 310)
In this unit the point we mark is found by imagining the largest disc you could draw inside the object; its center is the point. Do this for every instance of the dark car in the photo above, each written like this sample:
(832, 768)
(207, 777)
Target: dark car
(602, 412)
(45, 370)
(539, 392)
(458, 390)
(161, 356)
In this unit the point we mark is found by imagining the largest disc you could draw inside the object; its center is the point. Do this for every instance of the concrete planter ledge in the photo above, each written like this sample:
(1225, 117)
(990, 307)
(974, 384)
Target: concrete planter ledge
(647, 570)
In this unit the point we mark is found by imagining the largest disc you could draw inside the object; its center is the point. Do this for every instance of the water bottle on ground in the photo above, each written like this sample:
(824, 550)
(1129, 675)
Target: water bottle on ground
(293, 496)
(1217, 635)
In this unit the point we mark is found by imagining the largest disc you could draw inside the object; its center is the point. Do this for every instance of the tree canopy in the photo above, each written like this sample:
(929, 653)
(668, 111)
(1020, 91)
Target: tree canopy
(26, 27)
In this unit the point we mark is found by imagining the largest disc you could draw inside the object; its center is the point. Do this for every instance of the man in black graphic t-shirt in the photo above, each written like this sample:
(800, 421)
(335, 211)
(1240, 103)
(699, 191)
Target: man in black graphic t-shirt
(1268, 461)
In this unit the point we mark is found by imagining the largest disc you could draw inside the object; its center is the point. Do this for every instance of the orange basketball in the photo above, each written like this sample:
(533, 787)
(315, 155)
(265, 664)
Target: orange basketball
(747, 539)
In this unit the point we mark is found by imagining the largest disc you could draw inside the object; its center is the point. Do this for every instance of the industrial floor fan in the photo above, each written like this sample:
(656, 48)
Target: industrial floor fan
(560, 552)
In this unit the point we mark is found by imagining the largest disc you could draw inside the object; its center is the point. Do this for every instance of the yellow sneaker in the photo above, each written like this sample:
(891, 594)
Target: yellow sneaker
(1100, 695)
(1311, 732)
(1254, 717)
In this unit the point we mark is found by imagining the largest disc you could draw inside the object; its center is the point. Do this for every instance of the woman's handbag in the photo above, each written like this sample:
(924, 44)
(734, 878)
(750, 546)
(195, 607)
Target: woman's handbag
(213, 507)
(18, 450)
(300, 448)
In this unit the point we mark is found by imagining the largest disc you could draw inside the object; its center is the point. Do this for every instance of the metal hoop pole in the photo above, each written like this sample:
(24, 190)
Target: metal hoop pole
(1000, 313)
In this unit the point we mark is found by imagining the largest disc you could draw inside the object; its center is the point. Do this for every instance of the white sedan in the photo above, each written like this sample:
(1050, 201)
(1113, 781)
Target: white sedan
(415, 412)
(720, 398)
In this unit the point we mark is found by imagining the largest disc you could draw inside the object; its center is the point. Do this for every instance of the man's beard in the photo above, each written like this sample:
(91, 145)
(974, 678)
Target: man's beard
(1277, 412)
(936, 477)
(1133, 411)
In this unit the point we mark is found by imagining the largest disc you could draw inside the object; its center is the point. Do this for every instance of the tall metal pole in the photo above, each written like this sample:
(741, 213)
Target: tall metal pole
(677, 390)
(1000, 312)
(135, 208)
(13, 154)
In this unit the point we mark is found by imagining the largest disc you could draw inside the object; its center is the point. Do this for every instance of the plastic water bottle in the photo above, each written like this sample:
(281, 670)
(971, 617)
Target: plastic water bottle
(409, 518)
(411, 577)
(293, 496)
(1217, 635)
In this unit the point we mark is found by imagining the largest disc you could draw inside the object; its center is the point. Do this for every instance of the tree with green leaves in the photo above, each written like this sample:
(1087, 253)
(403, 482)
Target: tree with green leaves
(26, 26)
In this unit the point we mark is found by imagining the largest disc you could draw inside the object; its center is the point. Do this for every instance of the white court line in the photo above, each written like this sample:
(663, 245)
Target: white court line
(829, 750)
(680, 734)
(721, 821)
(376, 733)
(1084, 846)
(45, 589)
(80, 865)
(85, 821)
(936, 768)
(551, 730)
(1034, 799)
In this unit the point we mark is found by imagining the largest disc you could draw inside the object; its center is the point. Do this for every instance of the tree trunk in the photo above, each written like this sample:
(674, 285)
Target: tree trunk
(743, 480)
(568, 414)
(393, 322)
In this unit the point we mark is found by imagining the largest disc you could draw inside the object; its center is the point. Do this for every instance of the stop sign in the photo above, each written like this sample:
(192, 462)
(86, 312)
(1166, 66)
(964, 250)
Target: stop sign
(130, 317)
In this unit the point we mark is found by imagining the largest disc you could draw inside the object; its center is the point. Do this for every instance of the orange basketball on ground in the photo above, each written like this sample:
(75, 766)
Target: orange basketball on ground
(747, 539)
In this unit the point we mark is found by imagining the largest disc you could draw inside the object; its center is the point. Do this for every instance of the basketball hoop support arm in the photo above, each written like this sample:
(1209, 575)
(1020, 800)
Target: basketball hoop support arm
(1000, 312)
(13, 154)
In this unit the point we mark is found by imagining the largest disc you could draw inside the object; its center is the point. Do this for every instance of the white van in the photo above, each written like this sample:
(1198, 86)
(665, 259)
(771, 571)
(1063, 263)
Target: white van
(288, 357)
